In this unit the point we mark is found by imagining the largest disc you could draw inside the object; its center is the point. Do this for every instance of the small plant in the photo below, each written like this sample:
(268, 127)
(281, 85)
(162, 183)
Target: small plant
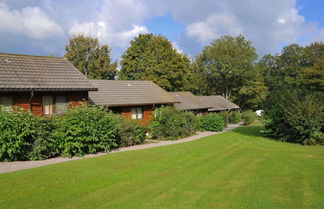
(249, 117)
(212, 122)
(234, 117)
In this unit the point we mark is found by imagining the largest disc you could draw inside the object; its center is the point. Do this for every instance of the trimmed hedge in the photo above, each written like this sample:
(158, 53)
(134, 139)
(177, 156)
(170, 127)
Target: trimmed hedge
(249, 117)
(212, 122)
(169, 123)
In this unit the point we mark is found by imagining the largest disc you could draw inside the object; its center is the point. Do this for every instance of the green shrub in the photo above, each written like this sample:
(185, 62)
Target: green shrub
(300, 120)
(45, 146)
(234, 117)
(169, 123)
(225, 117)
(19, 129)
(212, 122)
(86, 129)
(130, 132)
(249, 117)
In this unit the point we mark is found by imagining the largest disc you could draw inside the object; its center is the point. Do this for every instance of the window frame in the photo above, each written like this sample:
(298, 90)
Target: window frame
(54, 105)
(139, 111)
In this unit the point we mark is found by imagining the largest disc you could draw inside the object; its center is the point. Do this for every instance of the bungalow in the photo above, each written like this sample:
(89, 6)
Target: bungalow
(43, 85)
(218, 103)
(190, 102)
(132, 99)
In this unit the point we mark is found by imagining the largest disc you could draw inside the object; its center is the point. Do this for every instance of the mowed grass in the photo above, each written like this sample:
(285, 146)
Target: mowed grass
(237, 169)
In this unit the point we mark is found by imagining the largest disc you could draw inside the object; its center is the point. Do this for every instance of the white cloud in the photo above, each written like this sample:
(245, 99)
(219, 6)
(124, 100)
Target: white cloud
(31, 21)
(106, 34)
(268, 24)
(214, 27)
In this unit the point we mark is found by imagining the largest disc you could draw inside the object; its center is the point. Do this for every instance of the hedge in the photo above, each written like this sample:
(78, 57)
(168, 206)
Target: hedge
(212, 122)
(170, 123)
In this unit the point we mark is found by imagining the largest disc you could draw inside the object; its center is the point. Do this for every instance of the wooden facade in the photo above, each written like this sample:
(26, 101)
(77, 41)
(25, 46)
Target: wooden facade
(126, 111)
(33, 101)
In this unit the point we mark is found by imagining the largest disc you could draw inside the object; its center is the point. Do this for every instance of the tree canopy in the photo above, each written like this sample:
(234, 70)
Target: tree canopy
(295, 67)
(227, 67)
(153, 58)
(91, 58)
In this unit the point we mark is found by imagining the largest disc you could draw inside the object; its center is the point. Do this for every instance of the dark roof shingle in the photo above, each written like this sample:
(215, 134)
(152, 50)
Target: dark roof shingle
(40, 73)
(188, 101)
(128, 93)
(218, 103)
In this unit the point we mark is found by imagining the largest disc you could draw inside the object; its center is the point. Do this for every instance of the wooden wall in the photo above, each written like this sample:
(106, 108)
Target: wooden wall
(148, 111)
(22, 99)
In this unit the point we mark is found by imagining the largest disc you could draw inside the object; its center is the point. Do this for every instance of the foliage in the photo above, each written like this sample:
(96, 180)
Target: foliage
(170, 123)
(296, 117)
(86, 129)
(249, 117)
(234, 117)
(19, 130)
(44, 146)
(153, 58)
(212, 122)
(226, 67)
(131, 132)
(92, 59)
(296, 67)
(225, 116)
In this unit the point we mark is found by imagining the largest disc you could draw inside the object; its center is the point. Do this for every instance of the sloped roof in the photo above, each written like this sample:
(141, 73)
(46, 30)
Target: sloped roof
(40, 73)
(188, 101)
(129, 93)
(217, 103)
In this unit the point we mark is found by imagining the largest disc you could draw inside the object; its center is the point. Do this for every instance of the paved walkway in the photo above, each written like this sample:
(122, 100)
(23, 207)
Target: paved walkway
(6, 167)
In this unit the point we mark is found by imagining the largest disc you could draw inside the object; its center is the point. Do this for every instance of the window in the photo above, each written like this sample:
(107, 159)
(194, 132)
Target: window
(6, 101)
(48, 105)
(51, 105)
(60, 104)
(137, 113)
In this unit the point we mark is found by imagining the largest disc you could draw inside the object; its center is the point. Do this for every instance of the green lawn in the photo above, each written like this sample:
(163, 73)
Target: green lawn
(238, 169)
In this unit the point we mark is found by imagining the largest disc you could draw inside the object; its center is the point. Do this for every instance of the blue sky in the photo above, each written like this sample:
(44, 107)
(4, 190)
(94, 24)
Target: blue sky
(44, 27)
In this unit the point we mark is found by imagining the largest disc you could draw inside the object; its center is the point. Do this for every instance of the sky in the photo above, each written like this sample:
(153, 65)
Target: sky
(44, 27)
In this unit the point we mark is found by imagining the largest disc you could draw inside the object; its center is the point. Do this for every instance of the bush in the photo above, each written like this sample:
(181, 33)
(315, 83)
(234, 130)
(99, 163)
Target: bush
(225, 117)
(19, 130)
(86, 129)
(300, 120)
(44, 146)
(234, 117)
(212, 122)
(169, 123)
(130, 132)
(249, 117)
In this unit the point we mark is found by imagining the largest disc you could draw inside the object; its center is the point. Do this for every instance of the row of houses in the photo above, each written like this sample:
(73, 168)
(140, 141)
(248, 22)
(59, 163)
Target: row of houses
(48, 85)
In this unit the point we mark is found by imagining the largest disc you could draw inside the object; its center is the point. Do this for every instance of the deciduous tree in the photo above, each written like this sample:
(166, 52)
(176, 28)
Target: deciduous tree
(153, 58)
(91, 58)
